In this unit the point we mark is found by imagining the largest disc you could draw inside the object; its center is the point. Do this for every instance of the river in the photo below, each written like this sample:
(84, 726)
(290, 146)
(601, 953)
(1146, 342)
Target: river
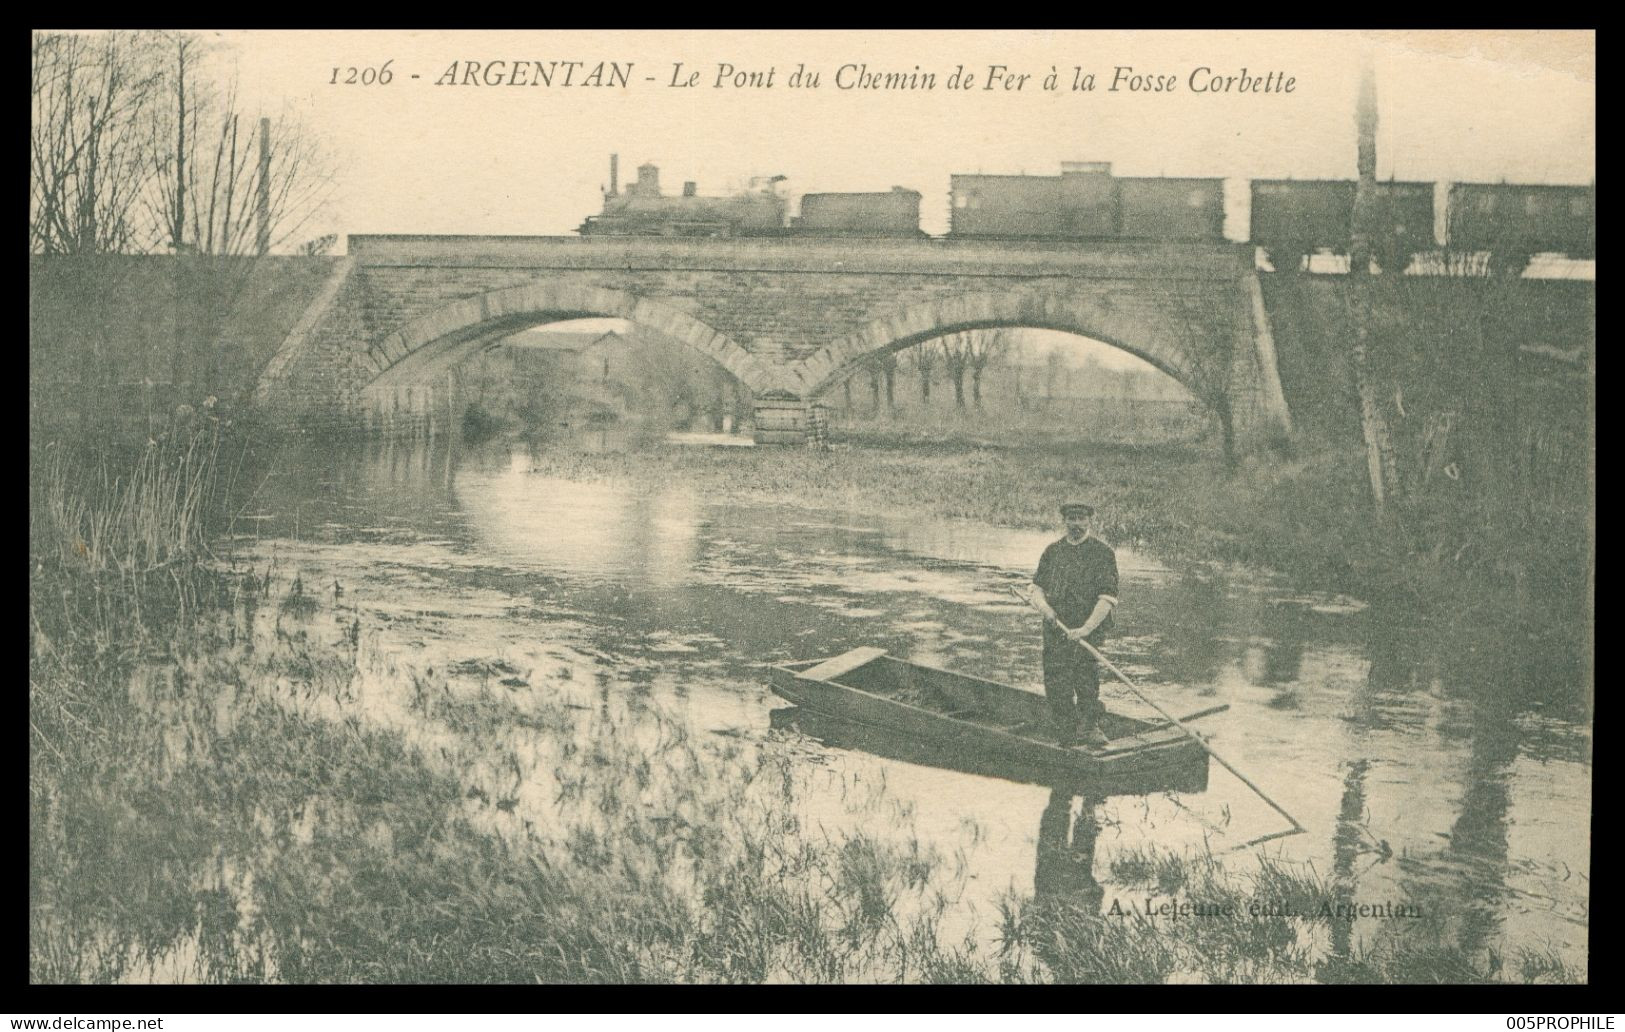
(1443, 778)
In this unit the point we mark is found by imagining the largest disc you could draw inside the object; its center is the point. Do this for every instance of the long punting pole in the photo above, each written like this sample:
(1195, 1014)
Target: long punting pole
(1176, 722)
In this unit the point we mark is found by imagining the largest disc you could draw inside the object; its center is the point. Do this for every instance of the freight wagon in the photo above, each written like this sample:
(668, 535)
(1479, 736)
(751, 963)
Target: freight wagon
(1086, 202)
(1513, 221)
(1170, 209)
(1294, 218)
(1079, 204)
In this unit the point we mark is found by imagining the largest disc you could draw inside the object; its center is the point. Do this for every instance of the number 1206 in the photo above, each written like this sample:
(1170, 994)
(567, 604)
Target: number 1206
(379, 76)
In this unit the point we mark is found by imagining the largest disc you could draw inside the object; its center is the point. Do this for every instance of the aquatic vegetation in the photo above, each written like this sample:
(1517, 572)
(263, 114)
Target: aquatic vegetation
(1149, 866)
(248, 814)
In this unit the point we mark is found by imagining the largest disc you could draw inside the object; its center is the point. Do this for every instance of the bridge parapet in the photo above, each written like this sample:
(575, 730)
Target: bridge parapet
(849, 256)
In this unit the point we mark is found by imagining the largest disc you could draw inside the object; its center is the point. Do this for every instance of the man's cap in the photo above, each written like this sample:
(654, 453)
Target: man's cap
(1070, 509)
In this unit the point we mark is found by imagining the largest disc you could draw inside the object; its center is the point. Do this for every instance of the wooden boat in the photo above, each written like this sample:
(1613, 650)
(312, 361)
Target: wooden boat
(976, 716)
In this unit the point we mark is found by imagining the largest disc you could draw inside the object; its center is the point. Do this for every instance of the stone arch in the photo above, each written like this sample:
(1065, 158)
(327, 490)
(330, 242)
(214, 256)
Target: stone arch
(1157, 339)
(461, 327)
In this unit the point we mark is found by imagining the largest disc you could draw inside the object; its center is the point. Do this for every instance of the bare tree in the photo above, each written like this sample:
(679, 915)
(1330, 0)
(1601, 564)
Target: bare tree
(986, 348)
(225, 186)
(888, 372)
(87, 160)
(956, 360)
(923, 360)
(136, 144)
(214, 176)
(1052, 372)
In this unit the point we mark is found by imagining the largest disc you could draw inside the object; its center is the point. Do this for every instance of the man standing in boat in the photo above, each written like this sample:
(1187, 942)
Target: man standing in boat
(1076, 584)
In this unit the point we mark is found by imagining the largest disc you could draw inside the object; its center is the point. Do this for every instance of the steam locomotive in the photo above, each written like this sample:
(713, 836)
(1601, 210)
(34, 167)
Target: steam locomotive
(1290, 218)
(760, 210)
(641, 209)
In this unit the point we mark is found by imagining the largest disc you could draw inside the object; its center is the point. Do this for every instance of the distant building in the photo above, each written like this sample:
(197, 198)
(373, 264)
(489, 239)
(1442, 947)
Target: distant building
(597, 365)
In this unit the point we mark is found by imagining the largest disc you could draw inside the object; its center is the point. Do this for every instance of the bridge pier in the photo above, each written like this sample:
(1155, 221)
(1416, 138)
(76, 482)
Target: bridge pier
(790, 421)
(423, 409)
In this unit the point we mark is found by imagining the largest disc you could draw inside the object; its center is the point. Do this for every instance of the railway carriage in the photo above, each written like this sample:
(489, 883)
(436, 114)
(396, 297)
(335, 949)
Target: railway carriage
(1086, 202)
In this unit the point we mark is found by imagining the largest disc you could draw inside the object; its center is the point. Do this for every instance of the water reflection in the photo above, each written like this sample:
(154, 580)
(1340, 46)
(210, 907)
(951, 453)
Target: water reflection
(849, 735)
(1349, 843)
(1065, 871)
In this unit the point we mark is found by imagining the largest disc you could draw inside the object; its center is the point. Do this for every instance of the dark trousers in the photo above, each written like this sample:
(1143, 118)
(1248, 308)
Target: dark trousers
(1072, 685)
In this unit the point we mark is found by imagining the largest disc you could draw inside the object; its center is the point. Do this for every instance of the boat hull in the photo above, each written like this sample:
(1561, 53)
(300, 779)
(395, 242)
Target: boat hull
(984, 722)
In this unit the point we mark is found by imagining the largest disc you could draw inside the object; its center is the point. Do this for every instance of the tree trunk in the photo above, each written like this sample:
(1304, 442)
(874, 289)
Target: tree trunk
(959, 389)
(976, 388)
(1379, 445)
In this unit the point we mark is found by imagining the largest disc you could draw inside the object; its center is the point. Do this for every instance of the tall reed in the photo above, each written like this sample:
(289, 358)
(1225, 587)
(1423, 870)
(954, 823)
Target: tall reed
(117, 535)
(99, 514)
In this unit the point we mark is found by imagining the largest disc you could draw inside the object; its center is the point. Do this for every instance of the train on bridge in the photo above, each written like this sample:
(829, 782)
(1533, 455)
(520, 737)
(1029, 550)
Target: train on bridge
(1290, 219)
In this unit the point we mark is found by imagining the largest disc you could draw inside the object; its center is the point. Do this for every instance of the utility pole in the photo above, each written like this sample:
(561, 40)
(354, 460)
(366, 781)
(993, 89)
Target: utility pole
(262, 207)
(178, 232)
(1379, 446)
(179, 372)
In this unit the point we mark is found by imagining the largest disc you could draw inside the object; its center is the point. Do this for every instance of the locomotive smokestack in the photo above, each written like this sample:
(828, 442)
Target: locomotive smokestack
(614, 174)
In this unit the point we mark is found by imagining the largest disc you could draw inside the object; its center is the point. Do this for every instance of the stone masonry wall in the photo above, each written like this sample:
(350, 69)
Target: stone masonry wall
(789, 318)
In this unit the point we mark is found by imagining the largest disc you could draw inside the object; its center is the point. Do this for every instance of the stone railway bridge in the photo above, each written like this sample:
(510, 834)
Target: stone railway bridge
(789, 318)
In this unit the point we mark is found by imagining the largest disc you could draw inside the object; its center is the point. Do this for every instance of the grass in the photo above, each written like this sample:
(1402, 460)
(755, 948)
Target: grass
(117, 542)
(101, 514)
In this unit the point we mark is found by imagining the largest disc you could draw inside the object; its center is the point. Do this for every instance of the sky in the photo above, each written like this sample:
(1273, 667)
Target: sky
(415, 157)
